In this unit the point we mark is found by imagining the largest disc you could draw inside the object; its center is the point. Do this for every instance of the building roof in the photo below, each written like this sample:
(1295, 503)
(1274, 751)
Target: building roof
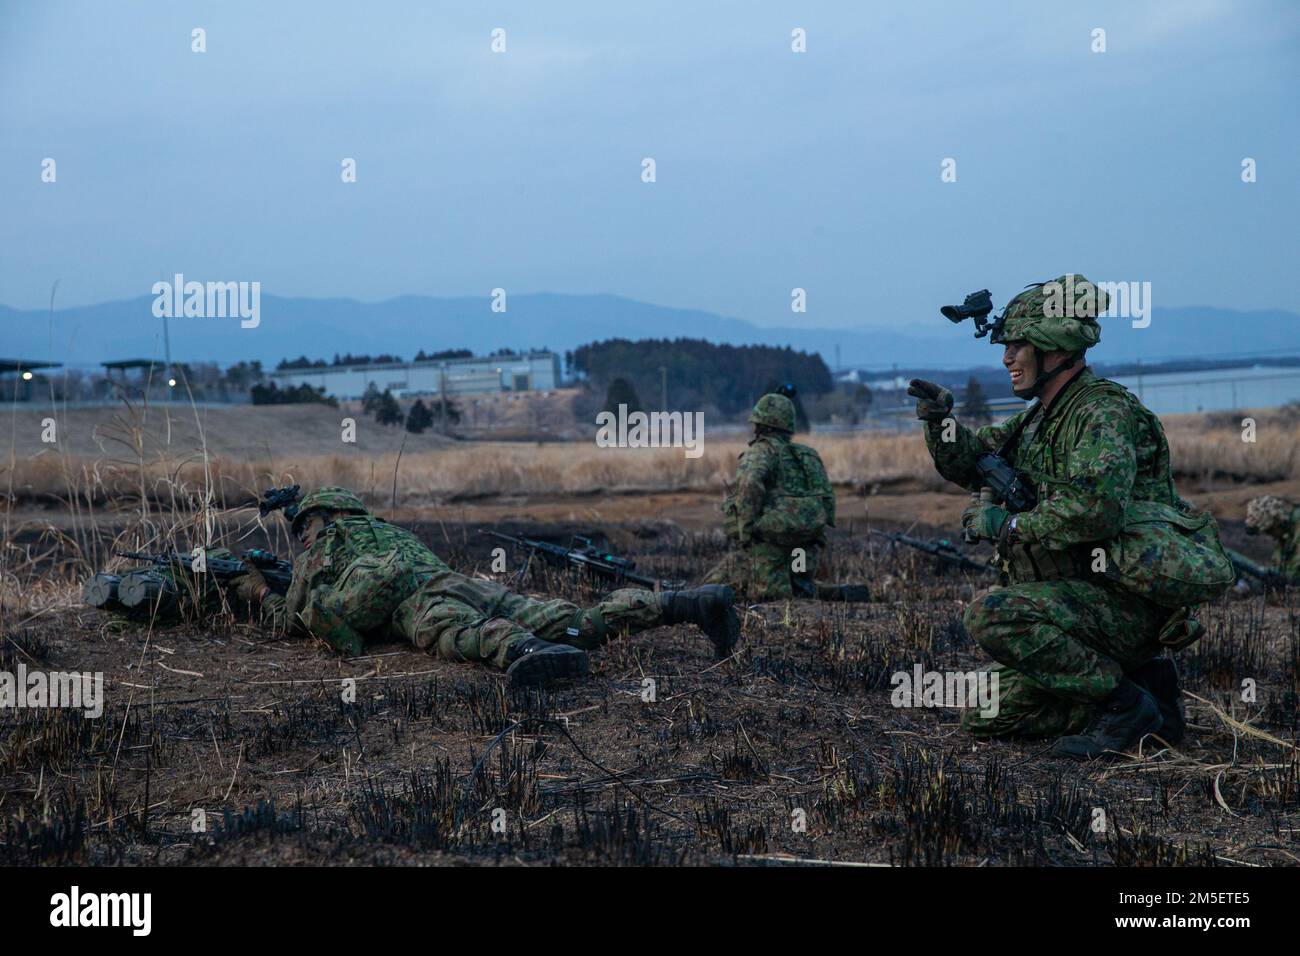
(25, 365)
(134, 363)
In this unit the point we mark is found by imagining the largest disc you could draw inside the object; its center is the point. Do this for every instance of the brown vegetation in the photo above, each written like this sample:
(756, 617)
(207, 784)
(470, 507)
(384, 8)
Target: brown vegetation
(149, 453)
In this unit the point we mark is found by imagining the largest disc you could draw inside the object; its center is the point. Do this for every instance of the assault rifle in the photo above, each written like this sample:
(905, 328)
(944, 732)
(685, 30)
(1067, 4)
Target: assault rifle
(588, 558)
(944, 550)
(1013, 489)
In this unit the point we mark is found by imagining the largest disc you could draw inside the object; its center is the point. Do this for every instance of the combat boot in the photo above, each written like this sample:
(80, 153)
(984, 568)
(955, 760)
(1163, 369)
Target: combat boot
(533, 662)
(710, 609)
(1121, 720)
(1158, 678)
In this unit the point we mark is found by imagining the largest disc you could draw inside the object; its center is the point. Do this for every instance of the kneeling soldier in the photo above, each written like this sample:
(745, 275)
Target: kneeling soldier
(779, 514)
(1102, 573)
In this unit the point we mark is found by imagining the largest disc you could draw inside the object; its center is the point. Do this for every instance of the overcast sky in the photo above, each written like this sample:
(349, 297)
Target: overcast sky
(774, 169)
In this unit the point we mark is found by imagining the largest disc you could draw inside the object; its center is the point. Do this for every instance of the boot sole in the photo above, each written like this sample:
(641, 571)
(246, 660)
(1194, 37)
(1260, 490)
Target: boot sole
(541, 669)
(722, 648)
(725, 642)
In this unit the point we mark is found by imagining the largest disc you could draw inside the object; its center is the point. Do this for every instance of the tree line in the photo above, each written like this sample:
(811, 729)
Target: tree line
(696, 374)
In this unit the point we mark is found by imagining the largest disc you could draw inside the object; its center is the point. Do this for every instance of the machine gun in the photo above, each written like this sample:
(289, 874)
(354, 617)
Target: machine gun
(588, 558)
(175, 581)
(945, 551)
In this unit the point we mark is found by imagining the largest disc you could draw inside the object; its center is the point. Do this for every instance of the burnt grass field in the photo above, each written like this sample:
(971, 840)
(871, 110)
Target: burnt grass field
(437, 762)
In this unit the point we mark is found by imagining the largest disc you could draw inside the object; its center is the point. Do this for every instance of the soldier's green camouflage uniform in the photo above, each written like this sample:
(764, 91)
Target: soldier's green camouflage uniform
(364, 577)
(1280, 520)
(770, 469)
(1062, 636)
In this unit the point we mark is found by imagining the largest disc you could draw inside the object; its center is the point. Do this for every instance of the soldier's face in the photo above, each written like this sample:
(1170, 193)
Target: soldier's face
(310, 529)
(1021, 363)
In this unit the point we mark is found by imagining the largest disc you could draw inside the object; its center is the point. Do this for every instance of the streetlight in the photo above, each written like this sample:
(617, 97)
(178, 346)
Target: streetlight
(27, 376)
(171, 383)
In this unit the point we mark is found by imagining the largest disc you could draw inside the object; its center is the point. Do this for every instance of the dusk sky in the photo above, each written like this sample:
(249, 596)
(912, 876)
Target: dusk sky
(775, 169)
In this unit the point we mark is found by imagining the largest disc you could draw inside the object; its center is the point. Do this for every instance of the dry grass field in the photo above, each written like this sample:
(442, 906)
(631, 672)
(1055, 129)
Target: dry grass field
(251, 736)
(226, 455)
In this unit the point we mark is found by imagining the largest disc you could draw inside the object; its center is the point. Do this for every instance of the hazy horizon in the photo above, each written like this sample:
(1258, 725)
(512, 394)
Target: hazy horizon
(775, 170)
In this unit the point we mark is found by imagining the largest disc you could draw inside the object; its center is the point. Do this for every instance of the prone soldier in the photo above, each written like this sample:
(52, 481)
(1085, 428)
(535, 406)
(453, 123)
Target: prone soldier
(360, 577)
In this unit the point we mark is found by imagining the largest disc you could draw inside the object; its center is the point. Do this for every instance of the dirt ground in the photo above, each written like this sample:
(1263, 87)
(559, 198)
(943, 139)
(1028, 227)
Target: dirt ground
(220, 745)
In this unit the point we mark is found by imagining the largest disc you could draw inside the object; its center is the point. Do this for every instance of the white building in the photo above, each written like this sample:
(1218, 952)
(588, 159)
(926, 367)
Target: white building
(496, 373)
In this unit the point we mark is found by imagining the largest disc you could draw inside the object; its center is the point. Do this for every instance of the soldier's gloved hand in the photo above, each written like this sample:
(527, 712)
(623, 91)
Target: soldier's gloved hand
(933, 402)
(250, 586)
(984, 519)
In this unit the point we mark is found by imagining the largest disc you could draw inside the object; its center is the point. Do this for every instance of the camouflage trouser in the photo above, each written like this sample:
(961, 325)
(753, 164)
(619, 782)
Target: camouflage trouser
(463, 631)
(462, 618)
(1061, 648)
(763, 572)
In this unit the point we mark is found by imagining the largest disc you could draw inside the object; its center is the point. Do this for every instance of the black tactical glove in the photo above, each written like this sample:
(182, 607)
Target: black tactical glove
(933, 402)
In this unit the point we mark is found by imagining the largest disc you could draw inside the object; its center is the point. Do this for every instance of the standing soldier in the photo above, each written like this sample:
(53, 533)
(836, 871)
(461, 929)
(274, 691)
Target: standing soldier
(779, 513)
(361, 576)
(1102, 572)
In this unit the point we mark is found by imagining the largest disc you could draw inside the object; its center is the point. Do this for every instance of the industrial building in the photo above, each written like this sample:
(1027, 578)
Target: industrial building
(495, 373)
(19, 378)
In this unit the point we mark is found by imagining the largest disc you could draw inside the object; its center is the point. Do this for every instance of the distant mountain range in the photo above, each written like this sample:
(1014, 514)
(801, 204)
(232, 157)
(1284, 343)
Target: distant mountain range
(319, 328)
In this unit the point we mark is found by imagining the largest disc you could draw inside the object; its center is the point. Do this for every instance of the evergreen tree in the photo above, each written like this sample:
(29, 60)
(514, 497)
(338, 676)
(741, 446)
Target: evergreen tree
(387, 411)
(448, 408)
(975, 409)
(621, 392)
(419, 418)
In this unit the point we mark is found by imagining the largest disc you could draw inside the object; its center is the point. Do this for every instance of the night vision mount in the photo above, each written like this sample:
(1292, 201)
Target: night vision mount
(977, 306)
(280, 499)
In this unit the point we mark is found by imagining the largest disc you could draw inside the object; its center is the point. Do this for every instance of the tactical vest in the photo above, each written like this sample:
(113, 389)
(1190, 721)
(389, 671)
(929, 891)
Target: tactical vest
(1165, 552)
(376, 566)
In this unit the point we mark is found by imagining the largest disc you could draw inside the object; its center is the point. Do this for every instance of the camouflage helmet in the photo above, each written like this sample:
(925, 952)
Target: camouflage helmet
(329, 498)
(1265, 513)
(1056, 316)
(774, 411)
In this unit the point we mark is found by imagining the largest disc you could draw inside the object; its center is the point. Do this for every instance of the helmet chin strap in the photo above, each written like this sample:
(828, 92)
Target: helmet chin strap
(1034, 390)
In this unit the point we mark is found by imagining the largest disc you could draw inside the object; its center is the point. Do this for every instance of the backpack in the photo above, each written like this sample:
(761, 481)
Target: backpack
(801, 501)
(1171, 557)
